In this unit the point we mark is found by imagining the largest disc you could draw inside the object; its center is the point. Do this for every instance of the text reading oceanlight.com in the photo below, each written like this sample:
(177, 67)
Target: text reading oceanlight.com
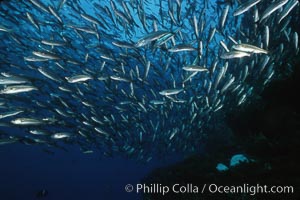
(210, 188)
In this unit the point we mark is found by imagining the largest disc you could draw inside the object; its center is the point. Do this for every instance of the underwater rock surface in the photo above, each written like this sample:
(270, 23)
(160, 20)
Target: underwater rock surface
(275, 150)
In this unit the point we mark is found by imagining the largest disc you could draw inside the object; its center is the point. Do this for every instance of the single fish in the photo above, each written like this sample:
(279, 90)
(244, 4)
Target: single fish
(61, 135)
(195, 68)
(249, 48)
(27, 121)
(14, 89)
(170, 92)
(150, 37)
(245, 7)
(182, 47)
(234, 54)
(10, 114)
(78, 78)
(12, 80)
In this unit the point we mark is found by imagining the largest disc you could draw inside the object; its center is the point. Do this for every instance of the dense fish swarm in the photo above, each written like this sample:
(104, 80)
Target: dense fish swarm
(137, 77)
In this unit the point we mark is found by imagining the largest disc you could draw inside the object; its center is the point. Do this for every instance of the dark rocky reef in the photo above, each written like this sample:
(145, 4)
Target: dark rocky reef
(267, 131)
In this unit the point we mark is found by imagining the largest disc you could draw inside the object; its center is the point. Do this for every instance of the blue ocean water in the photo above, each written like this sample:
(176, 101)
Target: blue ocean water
(27, 170)
(97, 94)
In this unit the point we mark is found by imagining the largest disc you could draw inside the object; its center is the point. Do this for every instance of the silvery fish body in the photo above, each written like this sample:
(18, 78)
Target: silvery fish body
(14, 89)
(249, 48)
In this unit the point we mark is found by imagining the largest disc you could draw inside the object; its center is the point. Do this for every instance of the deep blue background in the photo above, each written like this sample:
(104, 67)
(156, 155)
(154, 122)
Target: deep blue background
(24, 170)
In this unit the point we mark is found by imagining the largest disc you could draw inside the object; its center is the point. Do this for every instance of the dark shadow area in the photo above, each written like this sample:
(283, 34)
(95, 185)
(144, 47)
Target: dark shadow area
(267, 131)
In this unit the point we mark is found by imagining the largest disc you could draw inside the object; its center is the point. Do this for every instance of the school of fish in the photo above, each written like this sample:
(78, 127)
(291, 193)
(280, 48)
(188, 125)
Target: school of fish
(136, 77)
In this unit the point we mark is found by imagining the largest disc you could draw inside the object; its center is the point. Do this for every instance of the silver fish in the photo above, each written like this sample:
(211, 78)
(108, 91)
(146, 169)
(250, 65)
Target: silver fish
(182, 47)
(12, 80)
(224, 17)
(48, 74)
(287, 9)
(14, 89)
(78, 78)
(194, 68)
(46, 55)
(272, 8)
(249, 48)
(27, 121)
(10, 113)
(61, 135)
(234, 54)
(244, 7)
(150, 37)
(170, 92)
(296, 41)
